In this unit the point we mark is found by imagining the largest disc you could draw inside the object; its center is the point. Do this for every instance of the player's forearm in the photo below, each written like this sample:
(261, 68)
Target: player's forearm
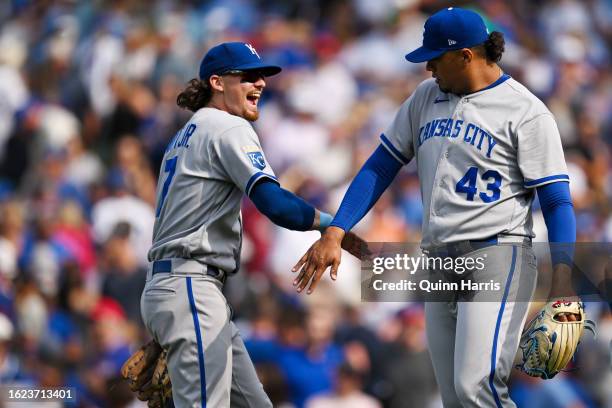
(560, 221)
(562, 275)
(287, 210)
(367, 187)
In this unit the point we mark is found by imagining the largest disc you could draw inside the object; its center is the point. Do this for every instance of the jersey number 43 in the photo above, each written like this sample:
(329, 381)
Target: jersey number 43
(467, 185)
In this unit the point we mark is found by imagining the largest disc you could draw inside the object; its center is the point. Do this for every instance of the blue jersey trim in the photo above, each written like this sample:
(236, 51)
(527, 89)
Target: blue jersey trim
(499, 318)
(396, 153)
(534, 183)
(255, 177)
(499, 81)
(196, 324)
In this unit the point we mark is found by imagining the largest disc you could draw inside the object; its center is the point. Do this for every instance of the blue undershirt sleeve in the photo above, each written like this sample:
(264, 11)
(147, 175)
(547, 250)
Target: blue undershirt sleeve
(560, 220)
(282, 207)
(367, 187)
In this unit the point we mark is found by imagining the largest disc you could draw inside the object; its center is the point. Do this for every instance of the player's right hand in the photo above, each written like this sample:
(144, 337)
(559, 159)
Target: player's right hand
(322, 254)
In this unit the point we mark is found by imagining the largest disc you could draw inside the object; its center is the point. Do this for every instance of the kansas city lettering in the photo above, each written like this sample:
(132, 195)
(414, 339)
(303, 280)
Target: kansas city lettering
(471, 133)
(181, 138)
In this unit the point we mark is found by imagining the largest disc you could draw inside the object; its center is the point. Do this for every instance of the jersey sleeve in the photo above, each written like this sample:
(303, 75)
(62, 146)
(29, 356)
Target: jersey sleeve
(398, 137)
(242, 157)
(540, 153)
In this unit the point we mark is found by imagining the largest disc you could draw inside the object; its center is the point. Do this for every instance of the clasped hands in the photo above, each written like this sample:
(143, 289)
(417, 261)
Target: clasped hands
(325, 253)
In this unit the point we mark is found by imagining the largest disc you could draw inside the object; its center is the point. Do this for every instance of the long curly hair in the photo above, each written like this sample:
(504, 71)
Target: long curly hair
(195, 96)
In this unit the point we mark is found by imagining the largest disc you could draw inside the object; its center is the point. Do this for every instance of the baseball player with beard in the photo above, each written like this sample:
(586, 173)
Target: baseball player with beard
(208, 166)
(483, 146)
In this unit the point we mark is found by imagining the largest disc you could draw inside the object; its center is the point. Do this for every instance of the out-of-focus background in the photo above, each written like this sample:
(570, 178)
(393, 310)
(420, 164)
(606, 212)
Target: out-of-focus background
(87, 105)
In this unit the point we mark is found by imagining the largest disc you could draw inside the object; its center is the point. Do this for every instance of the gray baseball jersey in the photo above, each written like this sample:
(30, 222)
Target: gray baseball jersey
(208, 165)
(479, 156)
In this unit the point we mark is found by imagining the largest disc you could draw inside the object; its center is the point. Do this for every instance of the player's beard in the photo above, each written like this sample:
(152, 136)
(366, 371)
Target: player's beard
(250, 115)
(250, 109)
(245, 110)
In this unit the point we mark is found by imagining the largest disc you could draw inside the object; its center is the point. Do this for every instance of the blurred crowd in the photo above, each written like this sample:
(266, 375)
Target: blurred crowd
(87, 105)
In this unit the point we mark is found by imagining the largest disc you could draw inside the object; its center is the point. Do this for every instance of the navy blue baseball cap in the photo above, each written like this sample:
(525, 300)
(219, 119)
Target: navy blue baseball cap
(450, 29)
(234, 56)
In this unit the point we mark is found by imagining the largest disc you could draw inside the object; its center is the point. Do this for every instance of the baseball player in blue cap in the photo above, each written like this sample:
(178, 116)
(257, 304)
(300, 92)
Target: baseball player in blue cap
(483, 145)
(208, 166)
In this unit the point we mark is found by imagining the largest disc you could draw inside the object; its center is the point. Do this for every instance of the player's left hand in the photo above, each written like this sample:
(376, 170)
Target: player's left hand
(562, 289)
(322, 254)
(565, 317)
(147, 373)
(549, 342)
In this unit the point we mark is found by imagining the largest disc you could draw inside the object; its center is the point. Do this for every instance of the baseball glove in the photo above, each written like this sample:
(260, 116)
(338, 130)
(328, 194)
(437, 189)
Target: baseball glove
(547, 343)
(147, 373)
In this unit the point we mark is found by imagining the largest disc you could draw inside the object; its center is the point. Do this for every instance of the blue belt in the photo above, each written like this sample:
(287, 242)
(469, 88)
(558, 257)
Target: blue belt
(455, 249)
(165, 266)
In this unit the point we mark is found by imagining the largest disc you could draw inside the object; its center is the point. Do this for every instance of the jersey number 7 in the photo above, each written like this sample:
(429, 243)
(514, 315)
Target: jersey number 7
(170, 168)
(467, 185)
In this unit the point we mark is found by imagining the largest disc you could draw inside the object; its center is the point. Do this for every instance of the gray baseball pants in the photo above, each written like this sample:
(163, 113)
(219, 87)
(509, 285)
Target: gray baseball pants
(473, 340)
(208, 363)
